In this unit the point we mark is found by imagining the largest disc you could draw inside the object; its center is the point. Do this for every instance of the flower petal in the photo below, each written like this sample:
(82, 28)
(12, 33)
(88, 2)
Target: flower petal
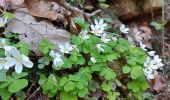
(18, 68)
(28, 64)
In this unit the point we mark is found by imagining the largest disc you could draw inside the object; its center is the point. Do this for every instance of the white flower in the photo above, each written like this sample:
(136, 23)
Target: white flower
(123, 29)
(6, 62)
(101, 24)
(57, 60)
(66, 48)
(2, 43)
(143, 46)
(52, 54)
(150, 63)
(84, 35)
(98, 28)
(151, 53)
(114, 39)
(3, 21)
(149, 74)
(20, 61)
(138, 37)
(104, 38)
(93, 60)
(100, 47)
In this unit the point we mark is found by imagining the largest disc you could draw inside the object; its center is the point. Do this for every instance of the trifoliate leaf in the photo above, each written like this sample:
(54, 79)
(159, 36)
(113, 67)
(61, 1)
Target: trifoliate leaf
(106, 86)
(20, 75)
(63, 81)
(83, 92)
(17, 85)
(69, 86)
(126, 69)
(67, 96)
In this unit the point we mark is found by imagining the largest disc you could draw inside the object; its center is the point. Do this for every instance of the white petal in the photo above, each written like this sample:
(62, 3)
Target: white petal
(11, 62)
(25, 58)
(28, 64)
(151, 53)
(101, 21)
(96, 22)
(18, 68)
(1, 66)
(15, 53)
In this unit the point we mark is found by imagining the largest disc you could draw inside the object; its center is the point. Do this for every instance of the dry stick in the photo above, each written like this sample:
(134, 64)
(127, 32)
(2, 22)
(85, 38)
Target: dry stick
(72, 9)
(30, 88)
(34, 93)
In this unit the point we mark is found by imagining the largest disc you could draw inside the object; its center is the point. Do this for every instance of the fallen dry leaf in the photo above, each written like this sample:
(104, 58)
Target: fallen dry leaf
(46, 9)
(32, 31)
(157, 84)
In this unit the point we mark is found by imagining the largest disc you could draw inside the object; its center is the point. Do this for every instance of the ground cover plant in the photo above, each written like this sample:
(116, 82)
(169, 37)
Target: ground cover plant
(95, 63)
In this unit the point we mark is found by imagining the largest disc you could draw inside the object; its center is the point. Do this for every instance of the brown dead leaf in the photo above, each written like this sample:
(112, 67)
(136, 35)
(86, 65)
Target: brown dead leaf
(46, 9)
(157, 84)
(17, 2)
(32, 31)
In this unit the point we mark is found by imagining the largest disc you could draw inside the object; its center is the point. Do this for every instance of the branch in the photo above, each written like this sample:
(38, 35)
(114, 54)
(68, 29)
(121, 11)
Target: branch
(73, 9)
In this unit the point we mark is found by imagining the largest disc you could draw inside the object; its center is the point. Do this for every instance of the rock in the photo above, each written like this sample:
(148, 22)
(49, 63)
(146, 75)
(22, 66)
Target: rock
(127, 9)
(152, 6)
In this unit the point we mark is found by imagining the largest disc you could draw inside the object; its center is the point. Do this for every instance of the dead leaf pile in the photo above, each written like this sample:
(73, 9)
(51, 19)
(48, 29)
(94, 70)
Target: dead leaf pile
(32, 31)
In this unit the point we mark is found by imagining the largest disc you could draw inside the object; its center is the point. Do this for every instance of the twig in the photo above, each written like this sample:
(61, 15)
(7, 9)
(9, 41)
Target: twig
(30, 87)
(34, 93)
(73, 9)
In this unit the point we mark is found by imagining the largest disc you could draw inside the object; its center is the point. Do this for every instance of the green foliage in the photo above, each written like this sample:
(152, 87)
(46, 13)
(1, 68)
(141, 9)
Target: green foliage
(23, 47)
(13, 84)
(159, 26)
(83, 25)
(45, 46)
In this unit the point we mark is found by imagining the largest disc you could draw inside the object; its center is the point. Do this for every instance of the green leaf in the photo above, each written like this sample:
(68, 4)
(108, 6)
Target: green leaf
(156, 25)
(69, 86)
(126, 69)
(42, 79)
(79, 85)
(20, 75)
(83, 92)
(109, 75)
(7, 82)
(107, 86)
(67, 96)
(136, 72)
(6, 94)
(17, 85)
(63, 81)
(3, 75)
(73, 58)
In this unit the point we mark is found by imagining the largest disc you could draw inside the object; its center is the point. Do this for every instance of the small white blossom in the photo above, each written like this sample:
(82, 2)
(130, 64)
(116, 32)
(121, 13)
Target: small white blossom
(151, 53)
(20, 61)
(100, 47)
(149, 74)
(101, 24)
(93, 60)
(3, 21)
(84, 35)
(123, 29)
(98, 28)
(143, 46)
(104, 38)
(66, 48)
(114, 39)
(2, 43)
(57, 58)
(6, 63)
